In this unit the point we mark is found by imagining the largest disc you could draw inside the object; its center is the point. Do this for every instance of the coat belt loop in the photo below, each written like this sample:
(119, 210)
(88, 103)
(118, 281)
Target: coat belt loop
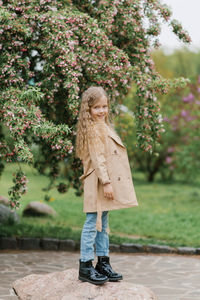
(99, 211)
(108, 227)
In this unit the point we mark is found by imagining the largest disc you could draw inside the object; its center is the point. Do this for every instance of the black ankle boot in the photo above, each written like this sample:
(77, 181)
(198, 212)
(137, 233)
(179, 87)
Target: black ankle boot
(88, 273)
(103, 266)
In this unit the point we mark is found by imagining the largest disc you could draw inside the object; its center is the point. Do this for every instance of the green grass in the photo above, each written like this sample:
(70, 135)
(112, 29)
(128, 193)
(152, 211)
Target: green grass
(167, 213)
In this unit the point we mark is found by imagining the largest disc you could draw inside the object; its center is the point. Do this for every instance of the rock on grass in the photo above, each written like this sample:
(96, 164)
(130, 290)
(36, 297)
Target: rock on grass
(36, 208)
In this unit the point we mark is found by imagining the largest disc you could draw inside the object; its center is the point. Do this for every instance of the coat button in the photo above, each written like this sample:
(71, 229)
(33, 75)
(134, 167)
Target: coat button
(115, 151)
(118, 178)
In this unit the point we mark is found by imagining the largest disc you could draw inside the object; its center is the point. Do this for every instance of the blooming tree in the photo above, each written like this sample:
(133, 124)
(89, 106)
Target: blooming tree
(51, 51)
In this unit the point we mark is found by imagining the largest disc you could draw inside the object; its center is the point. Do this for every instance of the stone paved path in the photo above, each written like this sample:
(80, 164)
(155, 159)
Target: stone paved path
(171, 277)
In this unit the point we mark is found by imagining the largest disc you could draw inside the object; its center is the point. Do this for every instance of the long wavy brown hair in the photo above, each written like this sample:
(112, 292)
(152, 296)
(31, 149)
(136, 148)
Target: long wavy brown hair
(85, 121)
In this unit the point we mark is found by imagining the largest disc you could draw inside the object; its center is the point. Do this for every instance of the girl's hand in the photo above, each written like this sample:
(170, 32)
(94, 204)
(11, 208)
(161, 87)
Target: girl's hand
(108, 191)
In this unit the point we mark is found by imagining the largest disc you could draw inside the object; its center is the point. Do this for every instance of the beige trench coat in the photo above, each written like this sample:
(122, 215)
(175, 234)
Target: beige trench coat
(106, 161)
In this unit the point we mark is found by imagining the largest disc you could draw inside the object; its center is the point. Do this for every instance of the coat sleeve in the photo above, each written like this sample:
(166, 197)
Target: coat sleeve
(97, 150)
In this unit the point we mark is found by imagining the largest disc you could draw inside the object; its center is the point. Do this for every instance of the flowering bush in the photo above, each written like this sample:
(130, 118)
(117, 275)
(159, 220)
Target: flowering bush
(183, 134)
(177, 152)
(51, 51)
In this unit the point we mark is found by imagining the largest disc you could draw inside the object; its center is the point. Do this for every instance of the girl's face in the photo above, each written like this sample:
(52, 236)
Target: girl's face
(100, 109)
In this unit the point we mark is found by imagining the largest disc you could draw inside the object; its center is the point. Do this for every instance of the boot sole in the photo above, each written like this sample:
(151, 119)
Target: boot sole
(90, 281)
(114, 280)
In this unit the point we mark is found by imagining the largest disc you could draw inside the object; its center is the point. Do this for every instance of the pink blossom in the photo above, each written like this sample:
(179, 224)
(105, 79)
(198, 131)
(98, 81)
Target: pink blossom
(171, 167)
(184, 113)
(188, 98)
(168, 160)
(170, 149)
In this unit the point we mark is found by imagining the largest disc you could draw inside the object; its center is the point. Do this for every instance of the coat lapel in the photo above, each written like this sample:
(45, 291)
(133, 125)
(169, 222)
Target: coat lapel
(115, 137)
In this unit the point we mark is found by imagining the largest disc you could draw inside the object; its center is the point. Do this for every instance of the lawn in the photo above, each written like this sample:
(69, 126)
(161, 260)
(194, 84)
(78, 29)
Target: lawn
(167, 213)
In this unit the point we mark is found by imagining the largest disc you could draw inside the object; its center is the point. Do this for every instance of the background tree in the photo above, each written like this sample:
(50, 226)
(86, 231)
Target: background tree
(182, 62)
(53, 50)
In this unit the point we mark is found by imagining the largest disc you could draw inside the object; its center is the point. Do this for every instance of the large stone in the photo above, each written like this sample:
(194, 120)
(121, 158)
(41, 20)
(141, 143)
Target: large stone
(4, 200)
(49, 244)
(186, 250)
(67, 245)
(198, 251)
(160, 249)
(8, 243)
(8, 216)
(132, 248)
(114, 248)
(36, 208)
(65, 286)
(28, 243)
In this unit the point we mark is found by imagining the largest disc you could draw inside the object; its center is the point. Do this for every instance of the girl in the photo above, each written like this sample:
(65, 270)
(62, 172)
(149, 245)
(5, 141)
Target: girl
(107, 183)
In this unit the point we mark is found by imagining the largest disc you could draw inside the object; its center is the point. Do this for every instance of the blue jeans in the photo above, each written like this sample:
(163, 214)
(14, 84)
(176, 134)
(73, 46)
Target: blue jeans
(91, 236)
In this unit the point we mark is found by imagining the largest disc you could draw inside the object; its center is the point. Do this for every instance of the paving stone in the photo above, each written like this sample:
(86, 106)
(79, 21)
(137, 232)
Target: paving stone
(4, 291)
(67, 245)
(8, 243)
(186, 298)
(28, 243)
(49, 244)
(132, 248)
(170, 276)
(9, 298)
(186, 250)
(160, 249)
